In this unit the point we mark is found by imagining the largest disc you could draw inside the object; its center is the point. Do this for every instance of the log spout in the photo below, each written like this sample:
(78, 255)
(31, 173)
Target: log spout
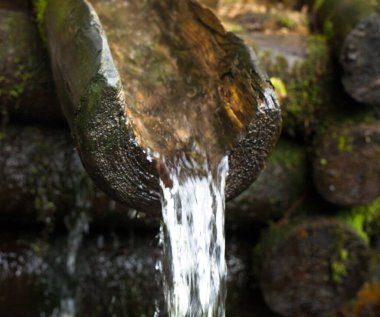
(137, 78)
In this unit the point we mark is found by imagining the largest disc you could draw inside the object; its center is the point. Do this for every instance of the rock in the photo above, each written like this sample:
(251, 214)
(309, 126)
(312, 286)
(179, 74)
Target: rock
(97, 107)
(27, 89)
(280, 187)
(312, 268)
(345, 168)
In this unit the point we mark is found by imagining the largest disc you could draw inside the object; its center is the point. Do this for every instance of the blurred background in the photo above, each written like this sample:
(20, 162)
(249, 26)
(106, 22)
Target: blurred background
(303, 240)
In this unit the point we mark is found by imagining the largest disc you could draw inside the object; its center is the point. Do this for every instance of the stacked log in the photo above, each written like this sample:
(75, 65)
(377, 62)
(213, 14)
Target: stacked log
(42, 179)
(323, 265)
(302, 267)
(278, 191)
(353, 28)
(27, 89)
(345, 165)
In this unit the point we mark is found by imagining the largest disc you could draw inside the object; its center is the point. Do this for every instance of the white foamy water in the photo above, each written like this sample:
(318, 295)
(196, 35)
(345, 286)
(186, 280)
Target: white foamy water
(193, 265)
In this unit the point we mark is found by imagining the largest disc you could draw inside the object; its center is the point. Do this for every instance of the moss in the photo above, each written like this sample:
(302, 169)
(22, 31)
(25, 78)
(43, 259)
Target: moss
(339, 266)
(286, 21)
(288, 155)
(359, 218)
(307, 85)
(40, 9)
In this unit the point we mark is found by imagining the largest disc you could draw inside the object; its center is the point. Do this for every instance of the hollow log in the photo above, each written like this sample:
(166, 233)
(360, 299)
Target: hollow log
(182, 59)
(312, 268)
(280, 188)
(42, 180)
(352, 26)
(26, 85)
(345, 168)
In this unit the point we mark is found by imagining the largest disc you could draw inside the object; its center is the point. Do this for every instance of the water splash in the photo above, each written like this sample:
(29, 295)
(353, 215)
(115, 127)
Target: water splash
(193, 265)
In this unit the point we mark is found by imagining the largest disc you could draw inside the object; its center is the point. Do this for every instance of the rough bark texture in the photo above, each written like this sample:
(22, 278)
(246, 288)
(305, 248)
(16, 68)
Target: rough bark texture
(26, 86)
(360, 59)
(312, 268)
(279, 188)
(346, 169)
(90, 90)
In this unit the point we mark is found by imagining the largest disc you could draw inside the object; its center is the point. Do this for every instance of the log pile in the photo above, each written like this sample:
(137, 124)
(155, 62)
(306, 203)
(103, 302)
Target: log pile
(316, 205)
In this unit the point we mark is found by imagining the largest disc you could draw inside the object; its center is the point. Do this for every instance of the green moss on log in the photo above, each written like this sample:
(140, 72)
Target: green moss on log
(308, 86)
(40, 8)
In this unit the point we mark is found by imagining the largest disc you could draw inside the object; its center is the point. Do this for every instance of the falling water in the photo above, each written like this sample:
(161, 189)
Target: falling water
(78, 224)
(193, 264)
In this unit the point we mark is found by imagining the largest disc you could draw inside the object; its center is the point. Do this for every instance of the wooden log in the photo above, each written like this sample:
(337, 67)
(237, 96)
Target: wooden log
(352, 26)
(183, 60)
(27, 89)
(361, 62)
(42, 180)
(312, 268)
(279, 189)
(345, 167)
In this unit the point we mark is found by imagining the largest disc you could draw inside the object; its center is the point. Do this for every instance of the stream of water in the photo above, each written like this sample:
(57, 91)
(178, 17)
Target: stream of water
(193, 264)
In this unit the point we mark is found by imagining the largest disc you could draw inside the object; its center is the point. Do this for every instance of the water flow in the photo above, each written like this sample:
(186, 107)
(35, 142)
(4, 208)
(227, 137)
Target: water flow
(78, 224)
(193, 265)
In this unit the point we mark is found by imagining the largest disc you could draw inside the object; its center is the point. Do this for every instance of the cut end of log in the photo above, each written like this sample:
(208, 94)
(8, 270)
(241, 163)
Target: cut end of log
(360, 59)
(314, 269)
(346, 170)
